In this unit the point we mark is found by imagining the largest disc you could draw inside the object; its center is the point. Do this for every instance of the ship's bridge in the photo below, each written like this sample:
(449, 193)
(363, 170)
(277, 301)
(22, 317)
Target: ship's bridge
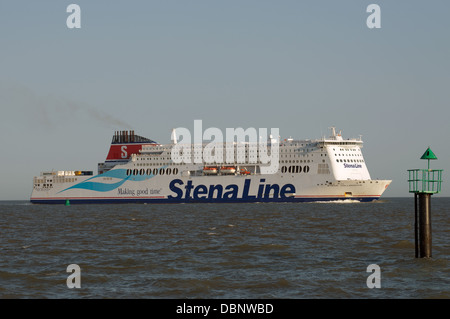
(345, 157)
(336, 139)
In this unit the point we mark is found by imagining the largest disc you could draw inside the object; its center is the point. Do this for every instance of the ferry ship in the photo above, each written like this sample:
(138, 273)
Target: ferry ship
(140, 170)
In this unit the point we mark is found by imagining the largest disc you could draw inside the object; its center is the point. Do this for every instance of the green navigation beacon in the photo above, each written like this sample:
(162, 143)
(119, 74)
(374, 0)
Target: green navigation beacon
(425, 180)
(424, 183)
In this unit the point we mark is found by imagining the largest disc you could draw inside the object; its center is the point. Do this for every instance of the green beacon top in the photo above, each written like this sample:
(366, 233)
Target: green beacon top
(425, 180)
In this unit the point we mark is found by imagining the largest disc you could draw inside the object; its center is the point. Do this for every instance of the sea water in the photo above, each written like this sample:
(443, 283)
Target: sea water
(292, 250)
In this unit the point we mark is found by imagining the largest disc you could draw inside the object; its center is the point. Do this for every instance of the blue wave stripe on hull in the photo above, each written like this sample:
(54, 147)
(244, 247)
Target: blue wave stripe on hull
(105, 187)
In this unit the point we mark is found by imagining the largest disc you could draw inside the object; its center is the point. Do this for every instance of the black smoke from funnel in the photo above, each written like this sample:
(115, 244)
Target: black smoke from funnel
(50, 111)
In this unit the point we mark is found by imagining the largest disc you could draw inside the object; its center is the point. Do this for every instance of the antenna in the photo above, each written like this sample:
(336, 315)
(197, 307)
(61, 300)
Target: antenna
(333, 131)
(174, 136)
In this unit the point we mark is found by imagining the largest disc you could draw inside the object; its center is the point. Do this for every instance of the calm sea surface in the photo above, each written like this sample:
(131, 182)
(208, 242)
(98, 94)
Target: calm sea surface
(310, 250)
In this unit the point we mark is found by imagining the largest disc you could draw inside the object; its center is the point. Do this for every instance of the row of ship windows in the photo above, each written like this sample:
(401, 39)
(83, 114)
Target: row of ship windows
(200, 154)
(295, 169)
(307, 150)
(157, 164)
(199, 157)
(196, 145)
(343, 149)
(350, 160)
(348, 155)
(303, 150)
(297, 161)
(171, 163)
(258, 162)
(174, 171)
(154, 158)
(298, 155)
(155, 171)
(57, 180)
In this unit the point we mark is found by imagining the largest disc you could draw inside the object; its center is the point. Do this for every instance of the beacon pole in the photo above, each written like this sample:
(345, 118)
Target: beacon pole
(424, 183)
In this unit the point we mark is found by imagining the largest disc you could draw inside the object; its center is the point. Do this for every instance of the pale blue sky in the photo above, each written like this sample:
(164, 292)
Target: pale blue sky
(300, 66)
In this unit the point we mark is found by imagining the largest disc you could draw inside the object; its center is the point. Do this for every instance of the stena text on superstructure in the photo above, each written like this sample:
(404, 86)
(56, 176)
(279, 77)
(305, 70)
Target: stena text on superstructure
(140, 170)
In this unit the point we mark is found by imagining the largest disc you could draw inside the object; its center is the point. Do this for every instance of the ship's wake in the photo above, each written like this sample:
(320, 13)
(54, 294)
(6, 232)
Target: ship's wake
(337, 201)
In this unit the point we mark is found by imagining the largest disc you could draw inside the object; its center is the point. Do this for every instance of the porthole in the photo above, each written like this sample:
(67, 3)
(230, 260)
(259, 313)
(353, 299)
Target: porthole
(135, 171)
(169, 171)
(175, 171)
(141, 171)
(161, 171)
(149, 171)
(155, 171)
(283, 169)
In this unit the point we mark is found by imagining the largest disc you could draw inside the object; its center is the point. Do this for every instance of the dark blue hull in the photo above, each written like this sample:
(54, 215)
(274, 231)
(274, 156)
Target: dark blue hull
(206, 200)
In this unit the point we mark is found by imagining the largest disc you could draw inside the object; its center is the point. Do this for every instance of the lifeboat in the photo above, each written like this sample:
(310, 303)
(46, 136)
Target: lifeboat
(228, 170)
(209, 170)
(244, 171)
